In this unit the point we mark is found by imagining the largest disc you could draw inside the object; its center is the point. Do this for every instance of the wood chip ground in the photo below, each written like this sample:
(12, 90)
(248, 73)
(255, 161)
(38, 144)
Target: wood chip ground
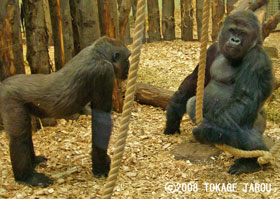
(147, 166)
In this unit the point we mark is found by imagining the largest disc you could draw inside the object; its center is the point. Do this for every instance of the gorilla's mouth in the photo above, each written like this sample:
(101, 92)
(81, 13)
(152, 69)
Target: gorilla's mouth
(124, 74)
(232, 51)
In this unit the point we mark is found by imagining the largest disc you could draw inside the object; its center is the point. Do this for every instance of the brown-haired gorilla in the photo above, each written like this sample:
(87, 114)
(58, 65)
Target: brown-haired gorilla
(88, 77)
(239, 81)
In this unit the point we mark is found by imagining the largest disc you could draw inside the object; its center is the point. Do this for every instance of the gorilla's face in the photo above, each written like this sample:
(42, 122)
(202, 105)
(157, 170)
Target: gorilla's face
(239, 34)
(121, 64)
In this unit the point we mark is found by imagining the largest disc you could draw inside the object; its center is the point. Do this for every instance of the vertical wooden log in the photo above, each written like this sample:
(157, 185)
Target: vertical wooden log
(168, 20)
(108, 17)
(199, 7)
(124, 10)
(68, 36)
(117, 96)
(186, 20)
(154, 22)
(101, 10)
(230, 6)
(55, 35)
(36, 37)
(48, 22)
(115, 15)
(218, 11)
(60, 32)
(126, 36)
(11, 55)
(119, 3)
(85, 22)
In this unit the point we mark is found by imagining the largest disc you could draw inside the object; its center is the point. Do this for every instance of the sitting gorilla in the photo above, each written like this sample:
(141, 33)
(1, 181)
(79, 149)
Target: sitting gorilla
(88, 77)
(241, 80)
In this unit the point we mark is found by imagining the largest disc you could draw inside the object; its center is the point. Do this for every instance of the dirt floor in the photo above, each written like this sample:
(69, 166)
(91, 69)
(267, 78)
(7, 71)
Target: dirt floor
(148, 169)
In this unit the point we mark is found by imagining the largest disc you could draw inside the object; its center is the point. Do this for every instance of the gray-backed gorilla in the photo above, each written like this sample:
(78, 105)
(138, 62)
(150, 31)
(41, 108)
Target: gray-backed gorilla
(241, 79)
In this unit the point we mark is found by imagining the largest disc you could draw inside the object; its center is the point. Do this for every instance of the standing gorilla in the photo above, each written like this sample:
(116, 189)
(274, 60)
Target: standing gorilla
(241, 80)
(88, 77)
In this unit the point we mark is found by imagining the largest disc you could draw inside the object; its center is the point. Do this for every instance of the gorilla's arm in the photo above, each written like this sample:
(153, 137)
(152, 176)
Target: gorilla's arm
(101, 119)
(101, 106)
(177, 105)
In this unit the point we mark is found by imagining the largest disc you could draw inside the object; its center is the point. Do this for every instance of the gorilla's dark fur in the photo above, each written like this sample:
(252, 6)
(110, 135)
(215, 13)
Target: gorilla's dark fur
(238, 81)
(88, 77)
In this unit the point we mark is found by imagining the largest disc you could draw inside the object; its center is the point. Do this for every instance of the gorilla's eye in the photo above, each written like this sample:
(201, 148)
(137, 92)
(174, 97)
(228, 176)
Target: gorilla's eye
(116, 57)
(243, 33)
(231, 30)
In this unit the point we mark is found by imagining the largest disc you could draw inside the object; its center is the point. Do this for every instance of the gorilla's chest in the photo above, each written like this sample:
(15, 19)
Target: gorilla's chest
(221, 71)
(222, 83)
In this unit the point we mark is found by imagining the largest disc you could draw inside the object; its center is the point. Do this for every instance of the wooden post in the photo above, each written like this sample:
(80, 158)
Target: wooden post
(117, 96)
(199, 6)
(67, 30)
(168, 20)
(218, 11)
(48, 22)
(154, 23)
(230, 6)
(108, 17)
(11, 55)
(55, 35)
(186, 20)
(36, 37)
(60, 32)
(85, 22)
(68, 36)
(124, 10)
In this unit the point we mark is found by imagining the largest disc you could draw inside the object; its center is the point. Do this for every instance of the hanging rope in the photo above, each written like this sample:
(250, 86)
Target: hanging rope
(202, 61)
(263, 156)
(128, 102)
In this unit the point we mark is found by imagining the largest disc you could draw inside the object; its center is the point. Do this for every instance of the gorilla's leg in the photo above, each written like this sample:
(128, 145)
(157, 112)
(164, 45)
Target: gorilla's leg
(254, 142)
(35, 159)
(260, 123)
(244, 139)
(18, 126)
(249, 139)
(191, 108)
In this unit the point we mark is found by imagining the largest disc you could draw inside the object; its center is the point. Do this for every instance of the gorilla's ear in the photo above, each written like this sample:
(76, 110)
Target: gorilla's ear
(116, 56)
